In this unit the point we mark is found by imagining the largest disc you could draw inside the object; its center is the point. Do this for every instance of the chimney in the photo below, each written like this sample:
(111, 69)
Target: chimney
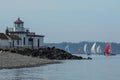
(7, 31)
(27, 31)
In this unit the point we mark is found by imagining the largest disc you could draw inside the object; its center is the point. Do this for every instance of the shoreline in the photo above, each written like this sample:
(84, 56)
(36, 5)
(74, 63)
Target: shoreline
(10, 60)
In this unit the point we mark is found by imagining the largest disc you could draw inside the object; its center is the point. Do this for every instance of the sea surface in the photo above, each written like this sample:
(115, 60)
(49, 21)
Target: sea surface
(99, 68)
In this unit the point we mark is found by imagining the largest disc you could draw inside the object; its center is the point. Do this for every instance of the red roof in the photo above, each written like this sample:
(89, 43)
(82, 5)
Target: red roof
(18, 21)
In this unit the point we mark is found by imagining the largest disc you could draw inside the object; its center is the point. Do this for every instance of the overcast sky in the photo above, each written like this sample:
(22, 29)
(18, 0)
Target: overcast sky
(65, 20)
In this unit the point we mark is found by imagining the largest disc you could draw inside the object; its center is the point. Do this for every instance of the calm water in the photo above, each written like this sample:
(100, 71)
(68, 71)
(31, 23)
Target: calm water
(100, 68)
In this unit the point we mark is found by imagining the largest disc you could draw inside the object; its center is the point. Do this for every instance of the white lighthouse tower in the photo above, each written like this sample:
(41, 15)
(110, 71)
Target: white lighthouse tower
(19, 26)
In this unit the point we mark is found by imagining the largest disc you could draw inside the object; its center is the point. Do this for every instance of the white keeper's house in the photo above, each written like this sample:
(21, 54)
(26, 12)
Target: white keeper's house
(19, 36)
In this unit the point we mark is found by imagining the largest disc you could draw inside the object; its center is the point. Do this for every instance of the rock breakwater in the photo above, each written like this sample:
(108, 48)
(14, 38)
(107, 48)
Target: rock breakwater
(47, 53)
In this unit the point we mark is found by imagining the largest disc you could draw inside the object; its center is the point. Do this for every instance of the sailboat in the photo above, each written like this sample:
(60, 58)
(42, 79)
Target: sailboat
(108, 49)
(67, 48)
(86, 49)
(78, 51)
(98, 50)
(93, 49)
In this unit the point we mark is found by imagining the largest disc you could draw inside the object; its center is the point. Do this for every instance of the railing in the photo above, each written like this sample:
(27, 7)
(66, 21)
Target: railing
(10, 29)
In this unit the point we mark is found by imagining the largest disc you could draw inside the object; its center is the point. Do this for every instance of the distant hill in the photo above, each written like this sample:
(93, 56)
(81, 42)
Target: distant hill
(74, 47)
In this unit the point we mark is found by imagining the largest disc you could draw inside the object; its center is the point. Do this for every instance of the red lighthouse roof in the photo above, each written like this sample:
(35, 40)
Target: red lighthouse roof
(18, 21)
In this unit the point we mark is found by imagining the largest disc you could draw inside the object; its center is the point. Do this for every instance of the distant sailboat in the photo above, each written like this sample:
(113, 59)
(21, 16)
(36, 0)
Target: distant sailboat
(86, 49)
(98, 50)
(108, 49)
(67, 48)
(78, 51)
(93, 49)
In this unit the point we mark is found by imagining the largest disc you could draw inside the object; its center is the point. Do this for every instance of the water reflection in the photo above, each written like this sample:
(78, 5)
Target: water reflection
(17, 74)
(96, 69)
(21, 74)
(27, 74)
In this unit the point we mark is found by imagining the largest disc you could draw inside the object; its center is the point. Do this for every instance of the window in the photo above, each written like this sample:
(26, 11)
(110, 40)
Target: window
(24, 41)
(30, 42)
(18, 25)
(13, 43)
(17, 42)
(38, 43)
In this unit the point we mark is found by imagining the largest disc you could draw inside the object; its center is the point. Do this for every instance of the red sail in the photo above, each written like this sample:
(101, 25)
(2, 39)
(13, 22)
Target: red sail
(108, 49)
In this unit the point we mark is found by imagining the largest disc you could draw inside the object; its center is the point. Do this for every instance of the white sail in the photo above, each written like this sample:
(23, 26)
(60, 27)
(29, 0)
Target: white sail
(67, 48)
(93, 48)
(98, 49)
(85, 48)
